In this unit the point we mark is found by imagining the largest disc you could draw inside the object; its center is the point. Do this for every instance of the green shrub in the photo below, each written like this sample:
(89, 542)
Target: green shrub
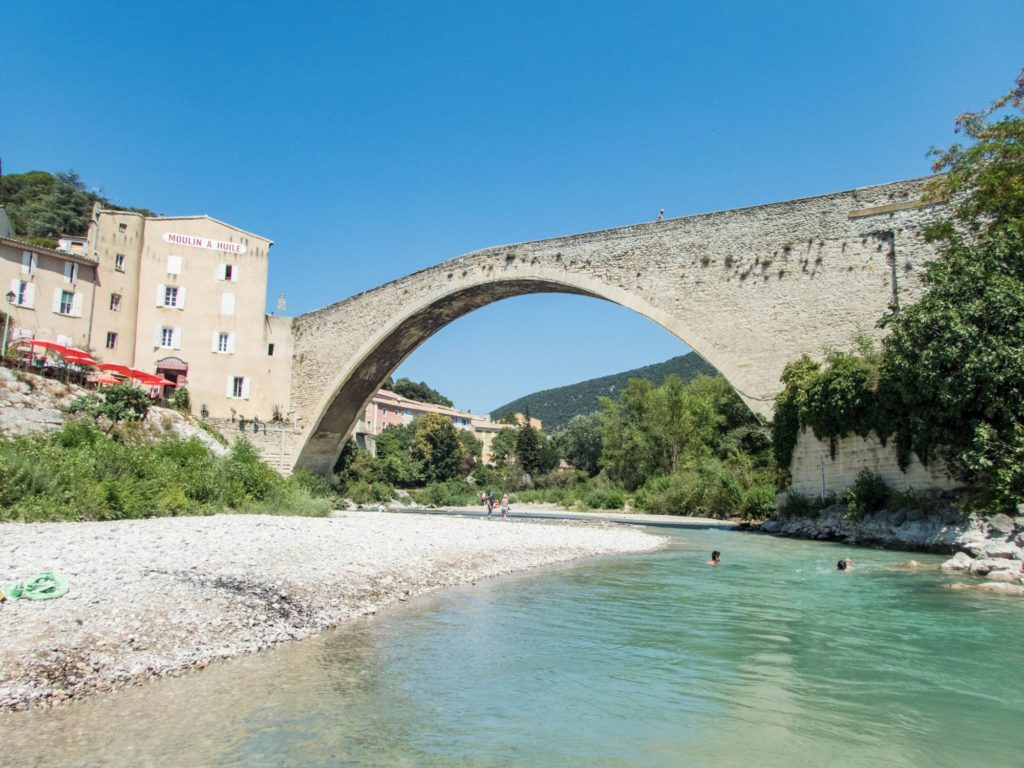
(869, 493)
(758, 502)
(181, 400)
(451, 493)
(603, 497)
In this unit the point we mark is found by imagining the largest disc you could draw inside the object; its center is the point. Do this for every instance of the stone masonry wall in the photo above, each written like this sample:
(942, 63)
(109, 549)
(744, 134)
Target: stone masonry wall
(747, 289)
(274, 441)
(816, 473)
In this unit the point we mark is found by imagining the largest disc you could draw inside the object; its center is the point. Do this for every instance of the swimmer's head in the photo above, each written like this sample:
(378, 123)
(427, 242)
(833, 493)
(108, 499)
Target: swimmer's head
(841, 565)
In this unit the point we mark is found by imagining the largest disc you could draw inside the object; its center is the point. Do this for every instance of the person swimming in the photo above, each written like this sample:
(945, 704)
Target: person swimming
(716, 558)
(843, 564)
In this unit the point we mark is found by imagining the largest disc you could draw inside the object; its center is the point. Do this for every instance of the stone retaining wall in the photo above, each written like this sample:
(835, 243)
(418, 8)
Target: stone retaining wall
(816, 473)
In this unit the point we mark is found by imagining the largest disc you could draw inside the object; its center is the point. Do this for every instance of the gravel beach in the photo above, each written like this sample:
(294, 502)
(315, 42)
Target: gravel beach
(156, 597)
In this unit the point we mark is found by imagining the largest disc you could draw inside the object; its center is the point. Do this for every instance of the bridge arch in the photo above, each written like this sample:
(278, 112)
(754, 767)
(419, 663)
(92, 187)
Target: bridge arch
(747, 289)
(356, 380)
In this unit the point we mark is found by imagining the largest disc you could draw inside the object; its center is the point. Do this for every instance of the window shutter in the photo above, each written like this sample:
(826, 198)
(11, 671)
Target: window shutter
(245, 388)
(160, 294)
(65, 340)
(174, 265)
(30, 295)
(234, 274)
(76, 304)
(69, 271)
(221, 271)
(176, 338)
(227, 303)
(158, 336)
(26, 262)
(231, 386)
(56, 300)
(231, 343)
(15, 285)
(181, 298)
(213, 344)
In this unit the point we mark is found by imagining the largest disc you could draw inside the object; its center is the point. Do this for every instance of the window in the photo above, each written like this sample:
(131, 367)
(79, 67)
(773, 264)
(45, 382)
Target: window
(122, 227)
(223, 342)
(115, 302)
(24, 292)
(227, 303)
(238, 387)
(170, 296)
(270, 350)
(67, 302)
(174, 265)
(227, 271)
(166, 337)
(28, 263)
(70, 272)
(111, 340)
(119, 261)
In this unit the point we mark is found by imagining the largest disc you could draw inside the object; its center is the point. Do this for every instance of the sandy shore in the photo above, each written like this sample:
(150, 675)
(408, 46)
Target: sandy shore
(156, 597)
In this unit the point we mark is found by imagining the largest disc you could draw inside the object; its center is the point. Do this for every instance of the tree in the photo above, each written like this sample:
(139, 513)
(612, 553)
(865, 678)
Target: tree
(436, 446)
(420, 392)
(953, 364)
(528, 449)
(581, 441)
(118, 403)
(503, 447)
(472, 449)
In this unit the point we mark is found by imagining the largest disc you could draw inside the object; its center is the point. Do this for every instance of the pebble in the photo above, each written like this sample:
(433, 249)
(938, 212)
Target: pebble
(164, 595)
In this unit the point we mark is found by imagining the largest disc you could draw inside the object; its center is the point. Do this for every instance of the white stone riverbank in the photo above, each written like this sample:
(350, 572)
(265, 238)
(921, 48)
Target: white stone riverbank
(157, 597)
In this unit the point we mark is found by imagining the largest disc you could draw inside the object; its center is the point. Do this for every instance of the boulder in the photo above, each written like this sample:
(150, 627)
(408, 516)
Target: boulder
(958, 562)
(770, 526)
(1010, 577)
(1001, 549)
(984, 565)
(1001, 524)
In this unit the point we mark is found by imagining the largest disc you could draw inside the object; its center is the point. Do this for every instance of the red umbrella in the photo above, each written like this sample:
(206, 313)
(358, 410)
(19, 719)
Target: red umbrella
(82, 359)
(124, 370)
(102, 379)
(46, 344)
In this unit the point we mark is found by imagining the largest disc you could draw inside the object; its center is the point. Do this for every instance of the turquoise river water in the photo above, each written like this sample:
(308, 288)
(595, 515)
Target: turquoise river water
(771, 659)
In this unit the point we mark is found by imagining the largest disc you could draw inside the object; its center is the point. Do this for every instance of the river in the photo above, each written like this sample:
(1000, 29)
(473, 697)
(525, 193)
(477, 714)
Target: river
(770, 659)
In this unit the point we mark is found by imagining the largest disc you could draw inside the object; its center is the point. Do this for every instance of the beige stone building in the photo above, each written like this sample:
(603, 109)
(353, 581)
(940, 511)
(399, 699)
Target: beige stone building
(49, 293)
(184, 297)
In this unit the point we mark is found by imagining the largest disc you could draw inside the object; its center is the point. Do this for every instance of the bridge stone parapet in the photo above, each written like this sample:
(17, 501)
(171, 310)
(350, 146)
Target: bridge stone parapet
(747, 289)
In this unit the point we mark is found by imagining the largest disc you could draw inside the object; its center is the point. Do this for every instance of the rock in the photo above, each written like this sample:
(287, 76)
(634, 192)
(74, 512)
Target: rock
(896, 518)
(984, 566)
(913, 515)
(959, 562)
(773, 526)
(1001, 524)
(1007, 576)
(1007, 550)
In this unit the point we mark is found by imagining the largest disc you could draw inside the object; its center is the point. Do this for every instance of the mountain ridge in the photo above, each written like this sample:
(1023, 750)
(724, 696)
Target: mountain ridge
(557, 405)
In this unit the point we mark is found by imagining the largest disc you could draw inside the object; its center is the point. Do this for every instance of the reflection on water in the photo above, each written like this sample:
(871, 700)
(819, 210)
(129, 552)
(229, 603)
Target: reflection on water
(772, 658)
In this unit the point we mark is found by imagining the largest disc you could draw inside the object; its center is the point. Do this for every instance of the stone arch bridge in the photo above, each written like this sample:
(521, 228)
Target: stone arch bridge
(747, 289)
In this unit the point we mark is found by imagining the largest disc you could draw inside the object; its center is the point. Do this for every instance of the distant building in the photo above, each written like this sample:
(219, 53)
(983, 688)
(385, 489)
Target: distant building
(388, 409)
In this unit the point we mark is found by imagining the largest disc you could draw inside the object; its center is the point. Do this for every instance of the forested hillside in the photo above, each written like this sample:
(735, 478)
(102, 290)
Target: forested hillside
(42, 206)
(556, 406)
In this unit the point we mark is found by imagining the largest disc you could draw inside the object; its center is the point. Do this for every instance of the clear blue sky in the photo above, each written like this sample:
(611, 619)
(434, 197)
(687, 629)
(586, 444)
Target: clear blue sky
(370, 139)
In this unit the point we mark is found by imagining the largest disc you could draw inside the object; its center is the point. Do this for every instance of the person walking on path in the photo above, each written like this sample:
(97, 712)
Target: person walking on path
(490, 502)
(504, 506)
